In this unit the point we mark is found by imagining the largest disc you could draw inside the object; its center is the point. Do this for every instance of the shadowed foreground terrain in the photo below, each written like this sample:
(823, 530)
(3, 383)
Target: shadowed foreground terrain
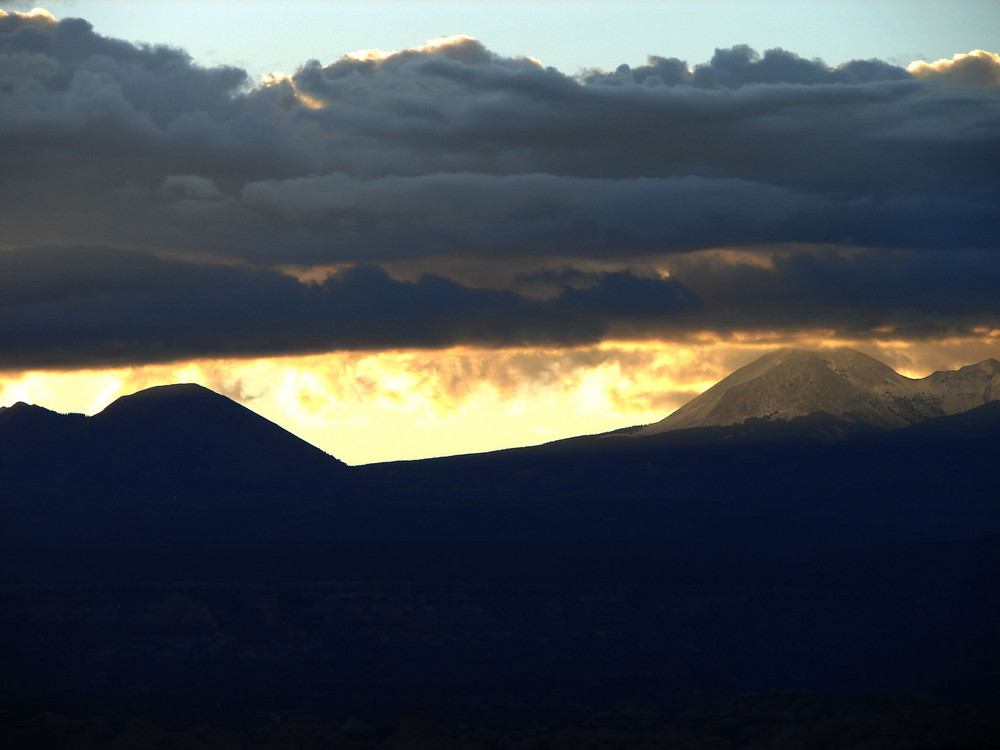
(776, 719)
(805, 583)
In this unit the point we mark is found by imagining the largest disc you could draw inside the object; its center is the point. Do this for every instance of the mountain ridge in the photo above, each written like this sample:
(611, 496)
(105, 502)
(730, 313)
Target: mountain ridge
(747, 557)
(854, 391)
(164, 439)
(843, 382)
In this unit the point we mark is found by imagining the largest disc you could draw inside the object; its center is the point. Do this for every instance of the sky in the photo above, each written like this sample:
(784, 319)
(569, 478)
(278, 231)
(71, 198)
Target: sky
(408, 229)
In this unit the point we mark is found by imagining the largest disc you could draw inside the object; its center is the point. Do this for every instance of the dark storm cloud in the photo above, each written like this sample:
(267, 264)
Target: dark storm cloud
(73, 307)
(361, 159)
(450, 150)
(890, 293)
(508, 214)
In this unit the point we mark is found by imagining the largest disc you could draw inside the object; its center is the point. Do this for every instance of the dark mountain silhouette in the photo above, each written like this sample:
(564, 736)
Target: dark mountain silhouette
(843, 382)
(160, 441)
(179, 547)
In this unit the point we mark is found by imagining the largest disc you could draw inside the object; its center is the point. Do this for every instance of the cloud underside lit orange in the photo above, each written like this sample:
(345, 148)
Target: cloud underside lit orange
(377, 406)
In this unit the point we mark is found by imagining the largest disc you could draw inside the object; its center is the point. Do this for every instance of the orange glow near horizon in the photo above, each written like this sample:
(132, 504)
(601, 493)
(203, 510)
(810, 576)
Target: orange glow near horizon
(365, 407)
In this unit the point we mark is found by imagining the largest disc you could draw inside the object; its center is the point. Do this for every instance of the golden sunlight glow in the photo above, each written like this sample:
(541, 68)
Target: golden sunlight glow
(378, 406)
(369, 55)
(378, 55)
(39, 14)
(314, 274)
(302, 98)
(977, 66)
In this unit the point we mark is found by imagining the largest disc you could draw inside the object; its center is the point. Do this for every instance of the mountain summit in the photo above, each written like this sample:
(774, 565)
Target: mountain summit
(165, 439)
(790, 383)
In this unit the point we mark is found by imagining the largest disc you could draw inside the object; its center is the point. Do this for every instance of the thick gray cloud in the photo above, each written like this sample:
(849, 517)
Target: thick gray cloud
(897, 294)
(88, 306)
(490, 214)
(340, 162)
(741, 66)
(450, 150)
(71, 307)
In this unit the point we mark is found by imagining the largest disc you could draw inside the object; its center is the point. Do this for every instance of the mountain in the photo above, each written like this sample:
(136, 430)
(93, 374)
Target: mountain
(177, 550)
(842, 382)
(162, 440)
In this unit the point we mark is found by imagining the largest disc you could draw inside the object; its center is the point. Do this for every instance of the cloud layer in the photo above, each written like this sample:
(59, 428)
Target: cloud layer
(91, 306)
(151, 202)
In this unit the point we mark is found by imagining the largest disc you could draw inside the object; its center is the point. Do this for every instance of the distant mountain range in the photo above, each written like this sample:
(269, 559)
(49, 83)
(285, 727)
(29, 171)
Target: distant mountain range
(814, 521)
(184, 441)
(186, 436)
(844, 383)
